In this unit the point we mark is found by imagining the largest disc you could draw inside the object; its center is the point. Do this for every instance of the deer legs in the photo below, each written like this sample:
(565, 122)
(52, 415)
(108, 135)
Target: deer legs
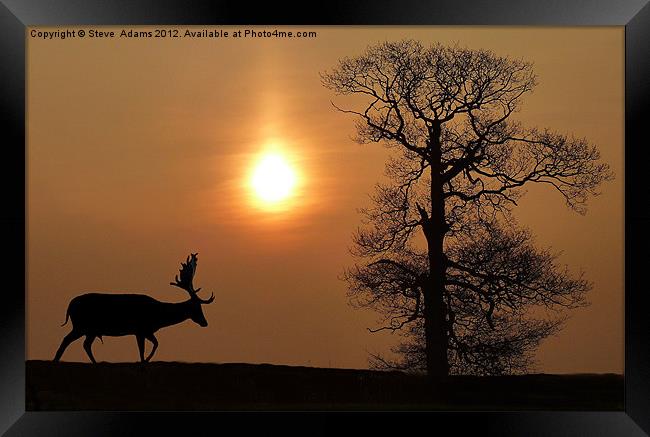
(154, 341)
(88, 342)
(72, 336)
(140, 339)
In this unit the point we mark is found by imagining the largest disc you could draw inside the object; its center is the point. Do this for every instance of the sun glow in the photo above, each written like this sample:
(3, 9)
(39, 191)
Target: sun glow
(273, 180)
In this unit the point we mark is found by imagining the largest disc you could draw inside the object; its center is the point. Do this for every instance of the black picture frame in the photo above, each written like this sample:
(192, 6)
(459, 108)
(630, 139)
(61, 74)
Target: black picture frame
(15, 15)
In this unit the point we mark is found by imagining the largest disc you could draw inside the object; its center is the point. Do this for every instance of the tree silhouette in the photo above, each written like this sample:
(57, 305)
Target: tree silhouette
(444, 260)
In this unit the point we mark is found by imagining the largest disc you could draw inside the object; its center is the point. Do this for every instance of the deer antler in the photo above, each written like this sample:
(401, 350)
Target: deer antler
(187, 271)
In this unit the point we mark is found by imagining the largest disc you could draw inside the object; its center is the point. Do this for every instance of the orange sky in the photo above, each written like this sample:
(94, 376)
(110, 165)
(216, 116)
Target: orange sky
(139, 152)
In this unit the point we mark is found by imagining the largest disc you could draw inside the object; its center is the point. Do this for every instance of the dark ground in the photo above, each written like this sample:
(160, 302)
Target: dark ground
(203, 386)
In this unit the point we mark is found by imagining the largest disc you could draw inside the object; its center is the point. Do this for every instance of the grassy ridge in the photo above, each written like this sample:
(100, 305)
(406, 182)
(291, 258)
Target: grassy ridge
(204, 386)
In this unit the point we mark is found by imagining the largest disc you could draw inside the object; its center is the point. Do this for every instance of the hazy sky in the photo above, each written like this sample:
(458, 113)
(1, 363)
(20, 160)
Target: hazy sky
(140, 151)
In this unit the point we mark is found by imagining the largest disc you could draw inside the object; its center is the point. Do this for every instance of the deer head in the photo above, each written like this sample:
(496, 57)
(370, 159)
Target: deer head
(187, 271)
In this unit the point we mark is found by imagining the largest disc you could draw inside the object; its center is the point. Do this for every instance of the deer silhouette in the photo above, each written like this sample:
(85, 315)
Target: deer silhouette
(96, 314)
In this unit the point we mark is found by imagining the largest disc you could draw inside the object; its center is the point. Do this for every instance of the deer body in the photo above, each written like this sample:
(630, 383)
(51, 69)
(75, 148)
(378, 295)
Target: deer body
(95, 315)
(126, 314)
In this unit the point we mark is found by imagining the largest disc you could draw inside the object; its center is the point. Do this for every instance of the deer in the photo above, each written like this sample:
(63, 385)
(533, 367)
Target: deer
(100, 314)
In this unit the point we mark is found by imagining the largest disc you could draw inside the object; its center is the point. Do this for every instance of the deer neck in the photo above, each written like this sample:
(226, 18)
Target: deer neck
(174, 313)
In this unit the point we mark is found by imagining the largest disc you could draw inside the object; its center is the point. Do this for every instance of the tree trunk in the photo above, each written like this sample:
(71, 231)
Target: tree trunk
(434, 309)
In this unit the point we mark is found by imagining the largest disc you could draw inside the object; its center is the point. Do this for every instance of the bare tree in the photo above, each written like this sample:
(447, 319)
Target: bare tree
(461, 167)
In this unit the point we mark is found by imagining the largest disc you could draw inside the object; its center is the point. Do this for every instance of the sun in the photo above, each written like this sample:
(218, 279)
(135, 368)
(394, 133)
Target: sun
(273, 180)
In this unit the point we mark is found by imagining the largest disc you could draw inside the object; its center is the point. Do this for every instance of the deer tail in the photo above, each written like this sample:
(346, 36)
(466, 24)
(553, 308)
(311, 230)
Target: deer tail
(67, 315)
